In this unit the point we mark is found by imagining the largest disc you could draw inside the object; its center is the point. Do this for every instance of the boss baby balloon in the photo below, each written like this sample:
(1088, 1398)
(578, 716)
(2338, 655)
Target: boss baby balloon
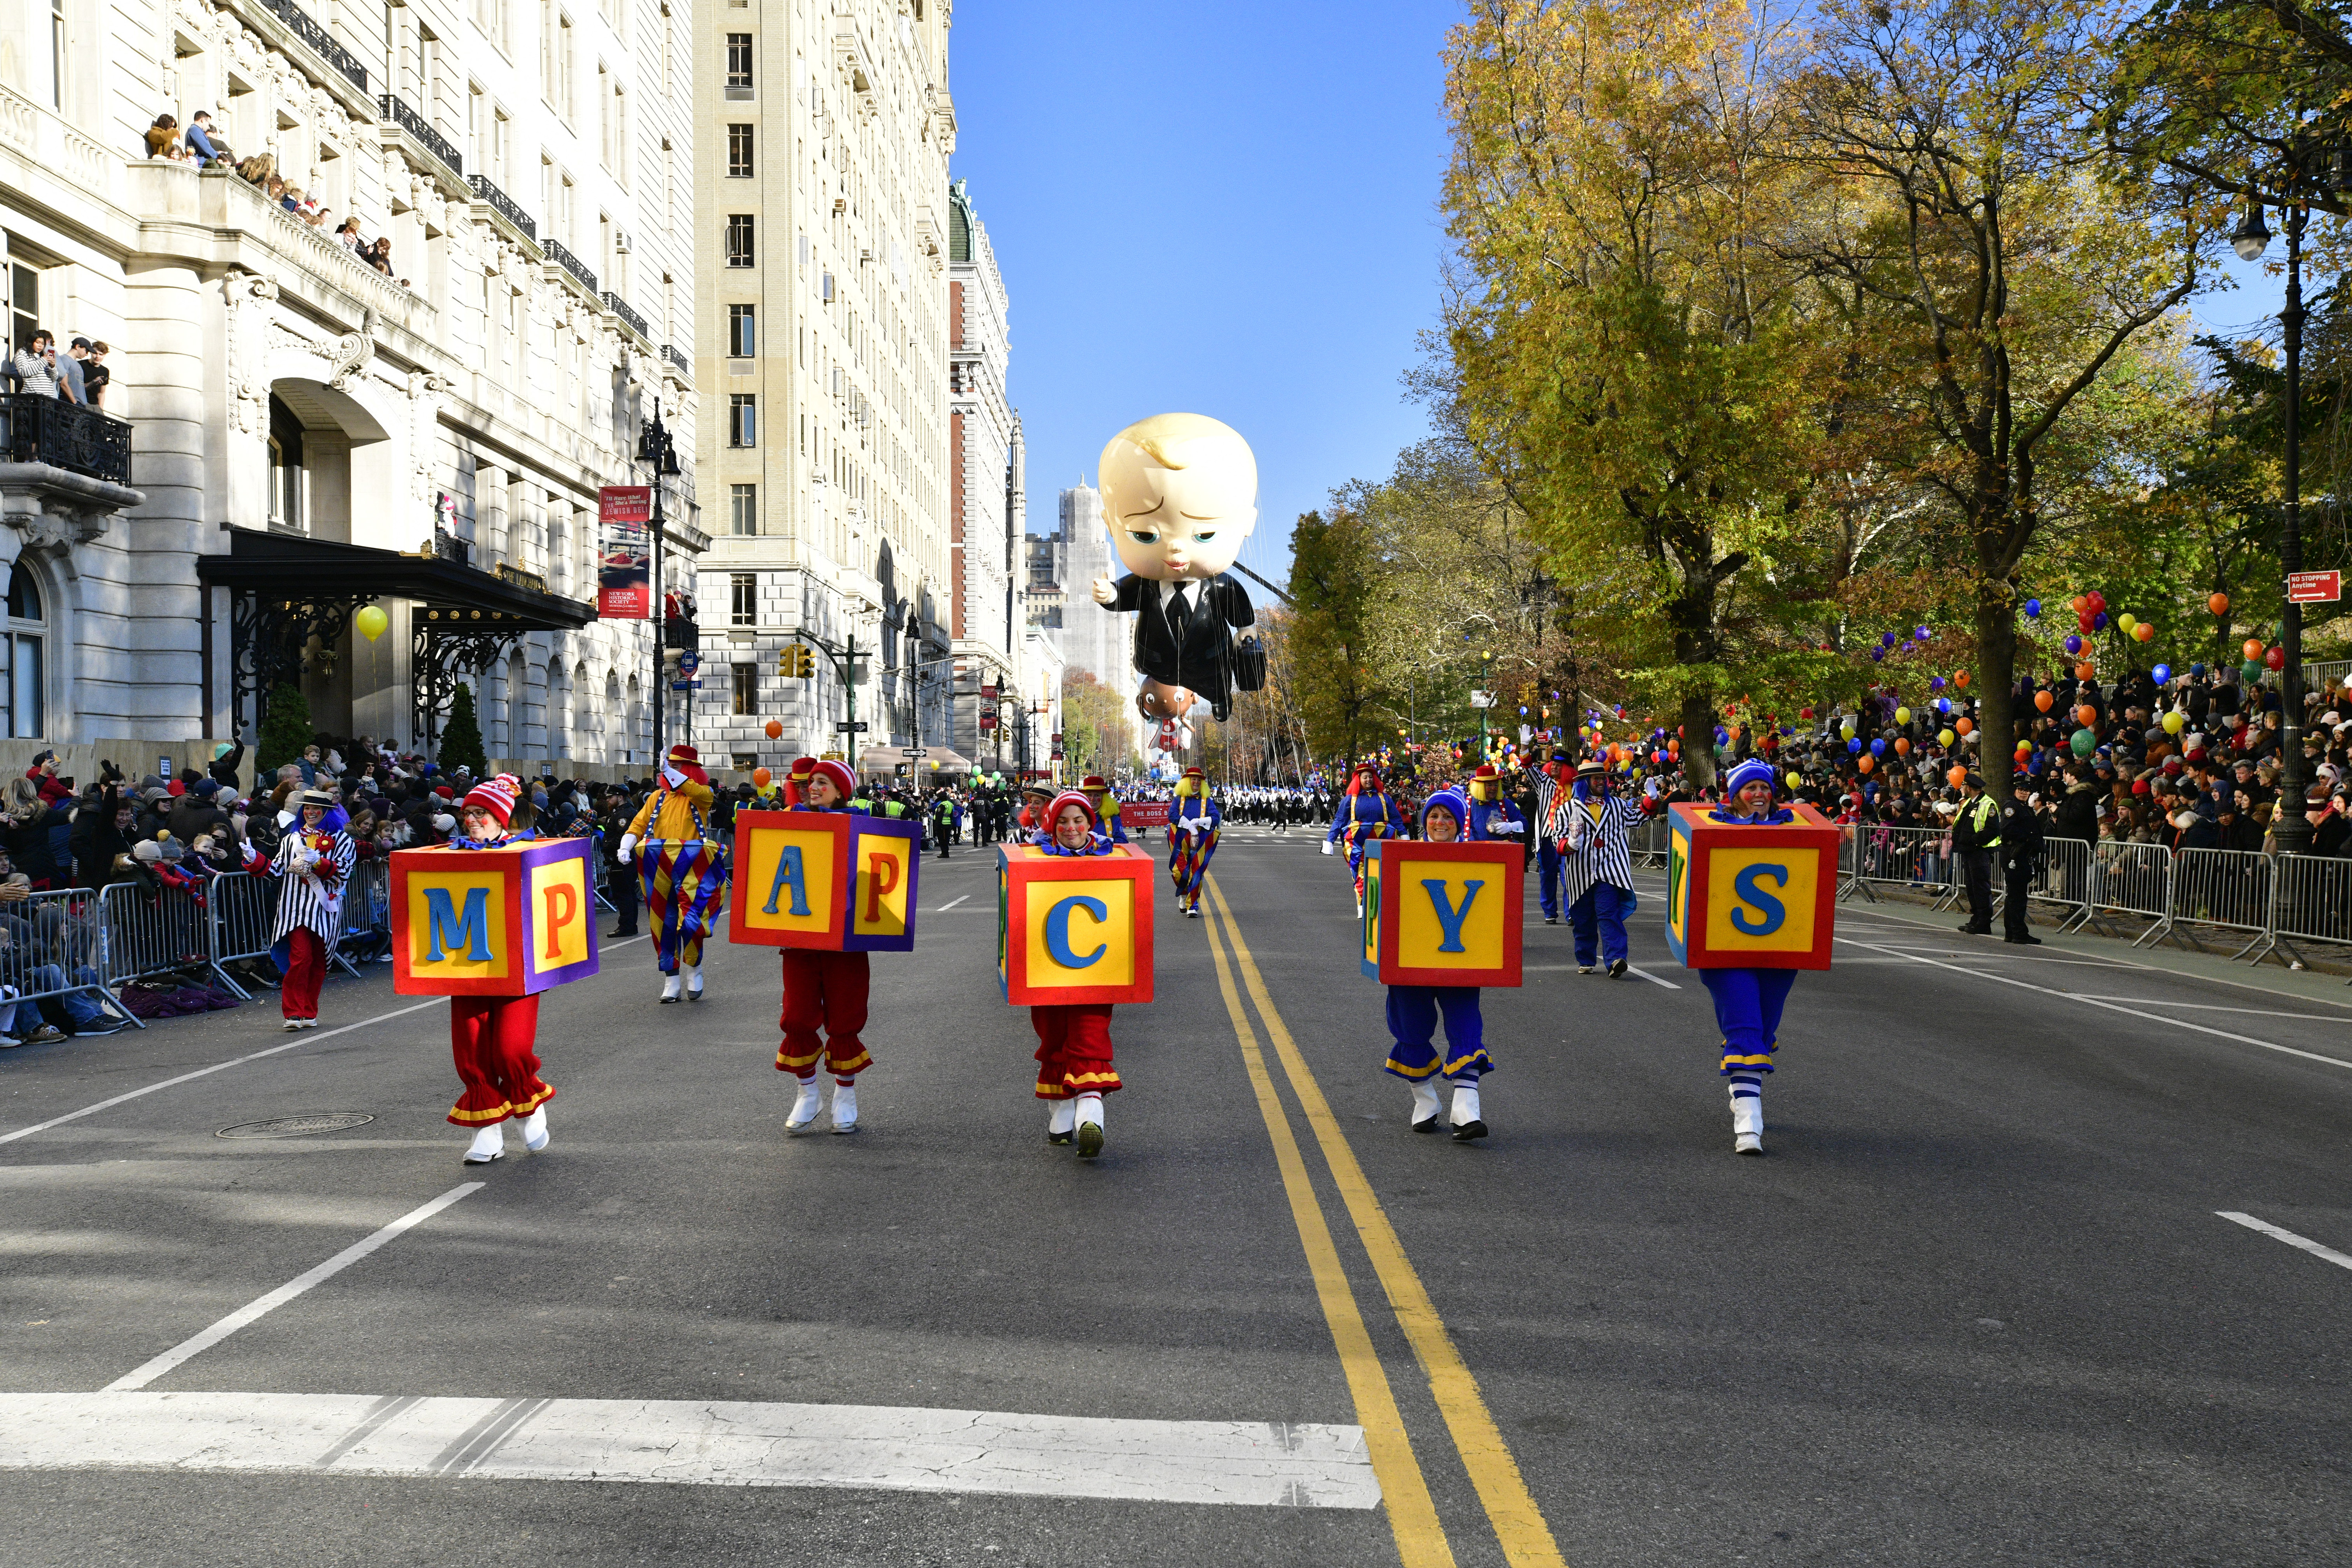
(1179, 495)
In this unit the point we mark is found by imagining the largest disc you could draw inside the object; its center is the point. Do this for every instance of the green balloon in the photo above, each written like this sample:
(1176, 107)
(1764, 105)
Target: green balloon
(2252, 669)
(2083, 743)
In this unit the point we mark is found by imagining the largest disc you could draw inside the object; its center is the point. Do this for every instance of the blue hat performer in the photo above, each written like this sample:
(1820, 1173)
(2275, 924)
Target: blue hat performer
(1747, 1002)
(1414, 1010)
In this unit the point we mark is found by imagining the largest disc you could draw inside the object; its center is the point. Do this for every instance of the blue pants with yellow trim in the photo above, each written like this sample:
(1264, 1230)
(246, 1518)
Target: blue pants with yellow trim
(1598, 917)
(1747, 1004)
(1413, 1012)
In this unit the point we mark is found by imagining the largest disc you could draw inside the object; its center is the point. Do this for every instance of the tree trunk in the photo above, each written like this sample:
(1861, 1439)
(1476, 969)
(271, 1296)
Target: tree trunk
(1698, 738)
(1996, 676)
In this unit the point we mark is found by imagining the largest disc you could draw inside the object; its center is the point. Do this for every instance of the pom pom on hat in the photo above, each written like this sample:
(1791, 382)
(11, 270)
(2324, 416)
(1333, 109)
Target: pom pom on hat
(496, 795)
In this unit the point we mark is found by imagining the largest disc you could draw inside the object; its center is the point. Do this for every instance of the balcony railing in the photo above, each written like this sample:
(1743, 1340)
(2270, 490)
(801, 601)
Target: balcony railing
(561, 256)
(669, 352)
(620, 308)
(35, 428)
(416, 125)
(323, 43)
(503, 204)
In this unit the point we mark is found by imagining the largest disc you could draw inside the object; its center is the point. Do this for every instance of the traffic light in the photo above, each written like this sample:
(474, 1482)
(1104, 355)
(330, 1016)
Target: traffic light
(798, 662)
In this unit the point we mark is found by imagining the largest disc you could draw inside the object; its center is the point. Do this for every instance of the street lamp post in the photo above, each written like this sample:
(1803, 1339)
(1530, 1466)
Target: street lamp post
(657, 451)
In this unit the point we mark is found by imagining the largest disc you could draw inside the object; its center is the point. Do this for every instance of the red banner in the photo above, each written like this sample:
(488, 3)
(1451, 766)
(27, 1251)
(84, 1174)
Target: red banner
(625, 552)
(1143, 813)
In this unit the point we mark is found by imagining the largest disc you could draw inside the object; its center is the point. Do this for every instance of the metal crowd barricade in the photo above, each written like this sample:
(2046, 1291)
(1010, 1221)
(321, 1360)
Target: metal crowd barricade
(53, 944)
(367, 908)
(1916, 858)
(2064, 877)
(243, 909)
(145, 931)
(1649, 840)
(2226, 890)
(2311, 901)
(2128, 880)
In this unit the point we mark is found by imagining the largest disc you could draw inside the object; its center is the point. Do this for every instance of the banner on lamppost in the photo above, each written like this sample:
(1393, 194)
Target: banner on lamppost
(625, 552)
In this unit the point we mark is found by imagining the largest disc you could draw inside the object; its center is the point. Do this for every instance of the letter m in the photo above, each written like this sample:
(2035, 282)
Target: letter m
(470, 931)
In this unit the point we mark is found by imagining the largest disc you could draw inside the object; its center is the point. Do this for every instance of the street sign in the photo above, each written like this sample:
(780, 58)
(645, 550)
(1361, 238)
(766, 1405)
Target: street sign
(913, 751)
(685, 685)
(849, 729)
(2314, 587)
(689, 661)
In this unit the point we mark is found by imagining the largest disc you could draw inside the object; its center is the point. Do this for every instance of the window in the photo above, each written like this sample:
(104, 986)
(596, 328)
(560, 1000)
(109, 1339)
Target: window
(739, 68)
(21, 692)
(24, 306)
(743, 331)
(744, 419)
(57, 55)
(739, 240)
(743, 599)
(747, 690)
(743, 509)
(738, 152)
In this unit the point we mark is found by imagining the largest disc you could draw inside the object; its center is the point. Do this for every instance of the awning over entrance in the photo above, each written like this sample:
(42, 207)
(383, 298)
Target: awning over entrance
(886, 760)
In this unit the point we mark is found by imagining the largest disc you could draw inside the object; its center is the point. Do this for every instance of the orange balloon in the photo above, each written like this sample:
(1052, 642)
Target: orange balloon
(1956, 777)
(1961, 677)
(775, 729)
(1901, 747)
(761, 777)
(2218, 603)
(2084, 670)
(2082, 603)
(1866, 761)
(2086, 715)
(2254, 647)
(2044, 700)
(2144, 632)
(1962, 726)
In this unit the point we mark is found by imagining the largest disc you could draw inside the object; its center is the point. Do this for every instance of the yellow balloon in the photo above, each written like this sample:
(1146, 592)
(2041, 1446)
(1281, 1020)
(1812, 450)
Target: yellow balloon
(1945, 736)
(1903, 715)
(1795, 779)
(2127, 622)
(371, 622)
(2173, 724)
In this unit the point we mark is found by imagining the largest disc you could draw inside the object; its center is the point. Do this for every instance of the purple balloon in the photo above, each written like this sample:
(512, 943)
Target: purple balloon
(2074, 643)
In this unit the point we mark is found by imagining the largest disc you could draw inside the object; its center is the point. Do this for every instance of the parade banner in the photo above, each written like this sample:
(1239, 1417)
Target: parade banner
(1074, 928)
(625, 552)
(1744, 897)
(1144, 813)
(837, 882)
(509, 921)
(1443, 914)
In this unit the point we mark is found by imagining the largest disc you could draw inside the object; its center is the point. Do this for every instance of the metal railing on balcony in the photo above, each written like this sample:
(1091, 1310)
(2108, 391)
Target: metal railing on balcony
(669, 352)
(620, 308)
(417, 126)
(321, 42)
(560, 254)
(503, 204)
(36, 428)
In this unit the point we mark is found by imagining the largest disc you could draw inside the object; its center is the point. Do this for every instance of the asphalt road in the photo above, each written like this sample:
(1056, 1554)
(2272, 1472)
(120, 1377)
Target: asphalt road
(1975, 1306)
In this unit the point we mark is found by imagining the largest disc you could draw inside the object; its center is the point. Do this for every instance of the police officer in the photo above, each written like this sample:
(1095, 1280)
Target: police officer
(1976, 836)
(2023, 846)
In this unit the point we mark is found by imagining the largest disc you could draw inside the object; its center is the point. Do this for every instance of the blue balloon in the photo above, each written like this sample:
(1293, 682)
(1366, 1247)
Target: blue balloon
(2033, 608)
(1924, 634)
(2196, 670)
(1936, 683)
(2074, 643)
(2163, 673)
(1721, 735)
(2099, 622)
(1855, 744)
(1878, 655)
(1878, 748)
(1886, 640)
(1943, 705)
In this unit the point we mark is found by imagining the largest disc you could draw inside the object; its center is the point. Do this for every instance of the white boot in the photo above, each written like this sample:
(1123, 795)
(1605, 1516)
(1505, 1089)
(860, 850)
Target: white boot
(1061, 1121)
(489, 1143)
(845, 1108)
(1467, 1125)
(1088, 1111)
(1427, 1106)
(694, 983)
(805, 1109)
(670, 984)
(1747, 1124)
(534, 1130)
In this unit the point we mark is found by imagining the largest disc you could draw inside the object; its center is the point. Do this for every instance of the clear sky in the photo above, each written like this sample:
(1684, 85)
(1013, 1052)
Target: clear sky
(1221, 207)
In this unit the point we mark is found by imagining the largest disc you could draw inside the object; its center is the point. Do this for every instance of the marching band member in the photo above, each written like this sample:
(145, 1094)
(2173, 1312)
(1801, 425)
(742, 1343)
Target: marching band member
(1597, 866)
(681, 868)
(821, 987)
(1413, 1012)
(313, 863)
(1364, 815)
(1192, 823)
(1074, 1050)
(1747, 1002)
(494, 1039)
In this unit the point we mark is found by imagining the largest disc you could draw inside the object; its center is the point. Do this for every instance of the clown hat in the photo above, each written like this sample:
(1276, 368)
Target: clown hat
(687, 761)
(1071, 797)
(808, 768)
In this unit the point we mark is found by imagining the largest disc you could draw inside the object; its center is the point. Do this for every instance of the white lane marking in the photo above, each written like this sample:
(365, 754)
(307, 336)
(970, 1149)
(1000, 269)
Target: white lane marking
(949, 905)
(2305, 1242)
(304, 1040)
(2217, 1008)
(696, 1443)
(1652, 979)
(2108, 1006)
(143, 1375)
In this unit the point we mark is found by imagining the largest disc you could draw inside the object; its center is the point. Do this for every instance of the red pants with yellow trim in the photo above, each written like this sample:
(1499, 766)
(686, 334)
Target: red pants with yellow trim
(492, 1037)
(298, 996)
(827, 989)
(1074, 1050)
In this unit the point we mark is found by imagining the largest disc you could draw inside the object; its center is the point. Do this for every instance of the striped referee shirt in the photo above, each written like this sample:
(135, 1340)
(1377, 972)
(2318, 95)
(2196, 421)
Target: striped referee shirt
(1600, 835)
(312, 896)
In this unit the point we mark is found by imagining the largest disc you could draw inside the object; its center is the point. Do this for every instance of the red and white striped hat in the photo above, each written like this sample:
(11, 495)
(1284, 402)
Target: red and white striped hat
(497, 795)
(808, 768)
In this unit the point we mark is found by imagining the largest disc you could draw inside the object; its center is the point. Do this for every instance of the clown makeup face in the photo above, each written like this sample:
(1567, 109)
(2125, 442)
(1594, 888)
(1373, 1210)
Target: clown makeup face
(481, 827)
(1366, 779)
(821, 792)
(1071, 828)
(1755, 796)
(314, 815)
(1440, 825)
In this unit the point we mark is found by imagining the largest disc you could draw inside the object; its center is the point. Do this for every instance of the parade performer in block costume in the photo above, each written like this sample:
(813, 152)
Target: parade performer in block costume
(1365, 814)
(1747, 1002)
(1413, 1012)
(312, 864)
(824, 988)
(682, 868)
(1074, 1049)
(494, 1039)
(1596, 848)
(1193, 823)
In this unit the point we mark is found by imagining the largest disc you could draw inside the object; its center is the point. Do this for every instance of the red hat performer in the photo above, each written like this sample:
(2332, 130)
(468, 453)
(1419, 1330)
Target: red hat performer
(1193, 820)
(313, 863)
(823, 988)
(1074, 1050)
(682, 868)
(494, 1039)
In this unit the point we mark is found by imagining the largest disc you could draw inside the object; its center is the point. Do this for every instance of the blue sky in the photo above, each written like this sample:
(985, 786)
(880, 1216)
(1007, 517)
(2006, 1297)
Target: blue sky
(1223, 208)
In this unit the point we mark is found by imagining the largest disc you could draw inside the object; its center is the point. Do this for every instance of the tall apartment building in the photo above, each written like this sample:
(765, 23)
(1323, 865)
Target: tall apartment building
(822, 343)
(290, 432)
(986, 501)
(1063, 567)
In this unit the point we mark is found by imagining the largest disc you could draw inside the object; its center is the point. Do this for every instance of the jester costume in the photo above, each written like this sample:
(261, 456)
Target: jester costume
(1747, 1002)
(823, 989)
(1365, 814)
(681, 868)
(1074, 1050)
(1413, 1012)
(1193, 823)
(493, 1040)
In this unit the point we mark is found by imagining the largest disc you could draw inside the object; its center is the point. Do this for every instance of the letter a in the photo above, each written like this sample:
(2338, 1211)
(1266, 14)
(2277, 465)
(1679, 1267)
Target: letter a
(789, 870)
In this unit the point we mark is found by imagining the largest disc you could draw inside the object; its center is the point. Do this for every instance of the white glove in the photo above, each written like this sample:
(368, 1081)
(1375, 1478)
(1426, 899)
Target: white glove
(1327, 848)
(628, 845)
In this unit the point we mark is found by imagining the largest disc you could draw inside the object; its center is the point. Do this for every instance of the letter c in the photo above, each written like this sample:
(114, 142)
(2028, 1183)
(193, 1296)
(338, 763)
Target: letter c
(1058, 930)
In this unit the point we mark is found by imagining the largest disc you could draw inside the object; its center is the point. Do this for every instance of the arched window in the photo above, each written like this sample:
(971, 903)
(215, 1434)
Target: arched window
(26, 641)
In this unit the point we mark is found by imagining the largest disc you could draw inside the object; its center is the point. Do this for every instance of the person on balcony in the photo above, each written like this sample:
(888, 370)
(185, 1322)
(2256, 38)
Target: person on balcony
(33, 367)
(209, 149)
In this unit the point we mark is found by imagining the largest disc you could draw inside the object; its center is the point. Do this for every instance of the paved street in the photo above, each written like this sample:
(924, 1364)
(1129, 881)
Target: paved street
(1977, 1305)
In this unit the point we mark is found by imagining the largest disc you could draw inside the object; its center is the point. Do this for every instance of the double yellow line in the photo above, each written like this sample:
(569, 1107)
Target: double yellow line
(1421, 1538)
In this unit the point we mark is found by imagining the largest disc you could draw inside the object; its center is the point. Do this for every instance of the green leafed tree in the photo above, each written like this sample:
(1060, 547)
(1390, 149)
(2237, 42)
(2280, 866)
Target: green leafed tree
(1342, 693)
(461, 737)
(286, 728)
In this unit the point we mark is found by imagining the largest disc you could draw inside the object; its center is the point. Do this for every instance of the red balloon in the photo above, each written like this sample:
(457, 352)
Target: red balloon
(2098, 601)
(2275, 659)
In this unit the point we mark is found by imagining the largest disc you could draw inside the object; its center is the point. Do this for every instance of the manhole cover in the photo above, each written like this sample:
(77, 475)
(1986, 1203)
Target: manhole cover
(298, 1126)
